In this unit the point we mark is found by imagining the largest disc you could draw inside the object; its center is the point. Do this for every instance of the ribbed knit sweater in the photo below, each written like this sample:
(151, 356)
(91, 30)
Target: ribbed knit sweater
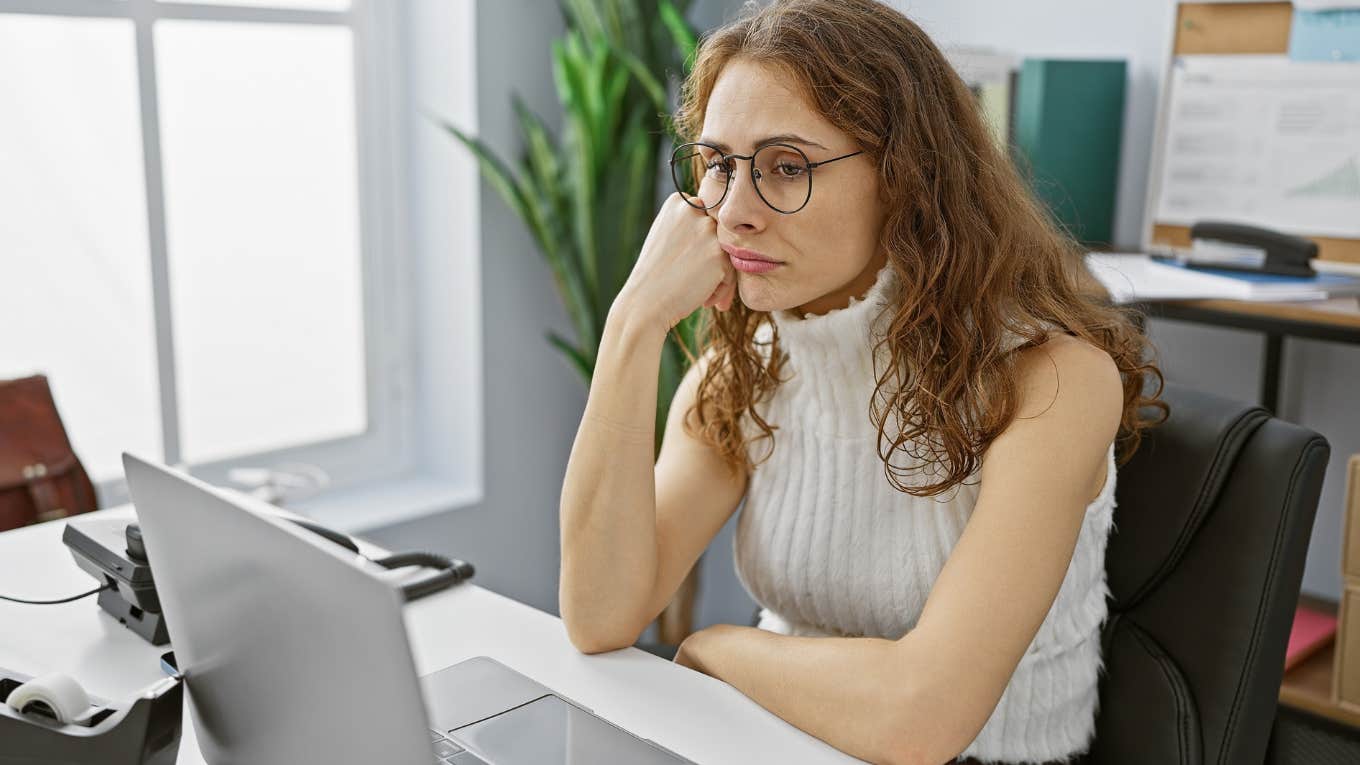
(828, 547)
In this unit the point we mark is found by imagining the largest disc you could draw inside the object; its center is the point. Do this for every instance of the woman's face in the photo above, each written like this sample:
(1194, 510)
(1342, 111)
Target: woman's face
(828, 251)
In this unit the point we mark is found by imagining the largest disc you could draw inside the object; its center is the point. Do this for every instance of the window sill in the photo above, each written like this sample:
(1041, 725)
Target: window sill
(387, 502)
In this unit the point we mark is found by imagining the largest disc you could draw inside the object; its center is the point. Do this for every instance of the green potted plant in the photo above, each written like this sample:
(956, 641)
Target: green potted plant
(589, 195)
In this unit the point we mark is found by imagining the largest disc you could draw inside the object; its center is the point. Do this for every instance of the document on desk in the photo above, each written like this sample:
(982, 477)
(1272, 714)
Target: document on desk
(1135, 276)
(1264, 140)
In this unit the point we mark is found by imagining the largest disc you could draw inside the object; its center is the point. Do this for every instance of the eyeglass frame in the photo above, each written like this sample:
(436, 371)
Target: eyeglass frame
(755, 182)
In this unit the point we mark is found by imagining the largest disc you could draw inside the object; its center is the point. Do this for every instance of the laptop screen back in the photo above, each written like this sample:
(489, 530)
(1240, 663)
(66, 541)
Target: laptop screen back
(294, 651)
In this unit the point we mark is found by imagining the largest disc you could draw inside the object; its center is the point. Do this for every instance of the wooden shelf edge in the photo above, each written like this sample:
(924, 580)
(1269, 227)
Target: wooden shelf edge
(1308, 686)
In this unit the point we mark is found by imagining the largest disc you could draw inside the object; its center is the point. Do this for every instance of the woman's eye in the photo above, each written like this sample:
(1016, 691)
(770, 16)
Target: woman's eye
(789, 169)
(718, 166)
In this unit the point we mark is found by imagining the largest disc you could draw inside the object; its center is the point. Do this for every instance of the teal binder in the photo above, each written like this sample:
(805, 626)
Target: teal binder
(1069, 117)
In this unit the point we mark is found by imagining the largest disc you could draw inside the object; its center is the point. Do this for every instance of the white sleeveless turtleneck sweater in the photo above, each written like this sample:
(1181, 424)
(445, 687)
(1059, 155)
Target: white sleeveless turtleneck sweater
(828, 547)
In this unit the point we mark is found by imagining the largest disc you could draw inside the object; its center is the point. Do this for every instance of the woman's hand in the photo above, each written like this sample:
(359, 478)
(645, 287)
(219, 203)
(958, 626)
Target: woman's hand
(681, 267)
(693, 650)
(687, 654)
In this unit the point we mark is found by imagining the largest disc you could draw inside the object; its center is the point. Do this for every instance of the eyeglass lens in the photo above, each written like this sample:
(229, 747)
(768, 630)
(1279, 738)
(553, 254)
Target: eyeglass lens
(783, 178)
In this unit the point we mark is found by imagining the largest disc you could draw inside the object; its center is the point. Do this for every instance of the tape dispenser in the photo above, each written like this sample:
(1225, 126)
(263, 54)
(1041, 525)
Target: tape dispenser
(51, 719)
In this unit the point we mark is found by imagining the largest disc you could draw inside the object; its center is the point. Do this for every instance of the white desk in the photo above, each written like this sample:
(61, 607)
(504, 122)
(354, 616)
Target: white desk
(690, 713)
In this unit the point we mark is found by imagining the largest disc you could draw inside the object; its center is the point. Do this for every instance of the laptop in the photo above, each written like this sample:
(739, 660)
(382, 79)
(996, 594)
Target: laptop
(294, 650)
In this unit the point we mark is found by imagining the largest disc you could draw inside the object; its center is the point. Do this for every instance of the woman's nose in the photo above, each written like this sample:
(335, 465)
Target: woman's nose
(743, 206)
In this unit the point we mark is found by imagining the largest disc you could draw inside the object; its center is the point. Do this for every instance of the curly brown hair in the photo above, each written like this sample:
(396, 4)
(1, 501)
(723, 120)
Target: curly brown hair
(975, 251)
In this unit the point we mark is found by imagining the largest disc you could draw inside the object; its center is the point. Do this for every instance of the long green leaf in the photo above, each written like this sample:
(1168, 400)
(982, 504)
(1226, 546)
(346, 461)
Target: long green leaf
(544, 165)
(688, 329)
(681, 32)
(637, 165)
(517, 195)
(541, 149)
(493, 169)
(584, 15)
(570, 70)
(668, 379)
(638, 68)
(588, 193)
(632, 28)
(578, 359)
(520, 194)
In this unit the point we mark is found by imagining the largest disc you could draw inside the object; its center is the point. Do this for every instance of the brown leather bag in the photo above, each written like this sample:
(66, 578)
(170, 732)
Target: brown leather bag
(40, 477)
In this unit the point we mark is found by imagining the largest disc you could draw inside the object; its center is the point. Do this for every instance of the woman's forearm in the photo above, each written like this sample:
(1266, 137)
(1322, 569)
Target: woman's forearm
(861, 695)
(608, 503)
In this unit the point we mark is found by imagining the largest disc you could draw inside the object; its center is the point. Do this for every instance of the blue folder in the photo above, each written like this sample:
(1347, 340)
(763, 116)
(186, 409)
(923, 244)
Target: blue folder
(1320, 281)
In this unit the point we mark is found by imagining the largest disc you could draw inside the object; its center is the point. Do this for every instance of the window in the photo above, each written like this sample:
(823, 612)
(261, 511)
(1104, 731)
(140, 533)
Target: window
(198, 236)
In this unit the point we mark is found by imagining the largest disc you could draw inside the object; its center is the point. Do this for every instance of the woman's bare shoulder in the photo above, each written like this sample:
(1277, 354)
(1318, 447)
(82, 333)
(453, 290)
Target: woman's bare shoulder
(1071, 368)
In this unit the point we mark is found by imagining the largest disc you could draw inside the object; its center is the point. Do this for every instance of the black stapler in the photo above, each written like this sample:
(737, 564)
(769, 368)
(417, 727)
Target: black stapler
(1255, 249)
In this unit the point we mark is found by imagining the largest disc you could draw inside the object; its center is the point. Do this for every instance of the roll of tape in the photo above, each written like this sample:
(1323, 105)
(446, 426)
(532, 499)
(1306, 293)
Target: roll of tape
(59, 696)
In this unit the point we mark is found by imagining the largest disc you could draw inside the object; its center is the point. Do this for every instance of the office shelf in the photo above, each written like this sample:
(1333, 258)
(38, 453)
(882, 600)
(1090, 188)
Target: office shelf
(1308, 686)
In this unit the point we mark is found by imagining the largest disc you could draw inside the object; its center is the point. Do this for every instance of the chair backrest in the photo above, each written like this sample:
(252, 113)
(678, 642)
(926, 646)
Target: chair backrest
(1211, 528)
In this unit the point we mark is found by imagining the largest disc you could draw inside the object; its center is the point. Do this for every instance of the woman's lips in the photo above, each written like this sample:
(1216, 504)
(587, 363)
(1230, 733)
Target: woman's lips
(749, 261)
(752, 266)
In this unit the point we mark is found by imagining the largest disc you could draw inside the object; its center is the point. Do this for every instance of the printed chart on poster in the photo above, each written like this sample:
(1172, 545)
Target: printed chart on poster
(1263, 140)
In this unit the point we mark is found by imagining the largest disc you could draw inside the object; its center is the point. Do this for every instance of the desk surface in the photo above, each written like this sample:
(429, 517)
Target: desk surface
(1335, 319)
(695, 715)
(1340, 311)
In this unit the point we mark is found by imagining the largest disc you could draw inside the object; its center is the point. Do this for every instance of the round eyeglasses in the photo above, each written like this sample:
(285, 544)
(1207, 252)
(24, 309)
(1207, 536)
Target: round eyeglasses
(780, 172)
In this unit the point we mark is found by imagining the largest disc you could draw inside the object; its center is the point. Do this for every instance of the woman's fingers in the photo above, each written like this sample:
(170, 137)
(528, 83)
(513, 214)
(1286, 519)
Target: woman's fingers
(724, 287)
(719, 294)
(727, 290)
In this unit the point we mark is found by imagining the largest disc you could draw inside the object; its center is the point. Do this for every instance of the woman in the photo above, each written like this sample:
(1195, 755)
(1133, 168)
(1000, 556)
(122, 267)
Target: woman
(927, 532)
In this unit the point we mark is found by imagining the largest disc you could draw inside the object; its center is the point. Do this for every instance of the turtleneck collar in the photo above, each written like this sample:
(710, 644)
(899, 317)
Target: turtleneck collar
(830, 356)
(837, 325)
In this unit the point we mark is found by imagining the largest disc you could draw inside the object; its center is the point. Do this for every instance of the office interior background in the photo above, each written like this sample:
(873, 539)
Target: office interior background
(414, 365)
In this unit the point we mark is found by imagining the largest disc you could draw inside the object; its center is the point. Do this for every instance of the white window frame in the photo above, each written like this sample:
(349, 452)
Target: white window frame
(376, 472)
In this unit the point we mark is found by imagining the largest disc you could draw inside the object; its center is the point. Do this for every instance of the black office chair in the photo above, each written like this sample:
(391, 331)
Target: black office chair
(1211, 529)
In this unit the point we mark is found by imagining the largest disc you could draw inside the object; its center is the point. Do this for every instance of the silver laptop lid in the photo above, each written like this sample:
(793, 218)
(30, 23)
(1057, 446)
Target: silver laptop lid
(294, 650)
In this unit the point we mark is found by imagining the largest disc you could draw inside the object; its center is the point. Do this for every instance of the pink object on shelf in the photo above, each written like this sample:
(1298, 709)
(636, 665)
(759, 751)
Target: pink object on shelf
(1312, 630)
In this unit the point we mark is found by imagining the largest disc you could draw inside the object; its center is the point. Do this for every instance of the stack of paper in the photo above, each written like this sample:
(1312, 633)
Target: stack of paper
(1133, 277)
